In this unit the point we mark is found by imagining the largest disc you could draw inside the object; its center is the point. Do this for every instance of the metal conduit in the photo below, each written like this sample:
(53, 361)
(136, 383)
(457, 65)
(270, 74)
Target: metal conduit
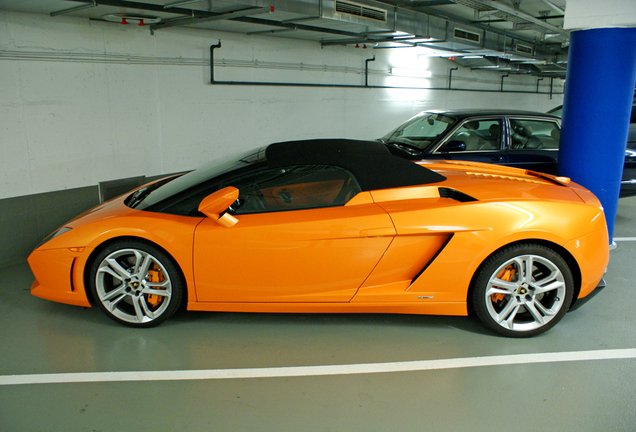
(450, 76)
(185, 61)
(213, 81)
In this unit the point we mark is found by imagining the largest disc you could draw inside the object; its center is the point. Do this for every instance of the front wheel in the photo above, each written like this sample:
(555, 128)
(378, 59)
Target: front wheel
(135, 283)
(523, 290)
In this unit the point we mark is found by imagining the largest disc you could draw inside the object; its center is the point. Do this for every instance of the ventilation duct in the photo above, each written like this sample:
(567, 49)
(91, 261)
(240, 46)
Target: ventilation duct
(356, 9)
(369, 16)
(466, 35)
(335, 22)
(462, 37)
(524, 49)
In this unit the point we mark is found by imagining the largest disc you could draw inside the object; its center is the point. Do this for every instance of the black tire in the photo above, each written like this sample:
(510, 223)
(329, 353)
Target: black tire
(516, 303)
(135, 283)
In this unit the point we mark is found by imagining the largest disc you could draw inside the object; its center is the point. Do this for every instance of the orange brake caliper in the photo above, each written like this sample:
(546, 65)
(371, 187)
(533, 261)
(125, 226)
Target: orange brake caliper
(154, 276)
(505, 275)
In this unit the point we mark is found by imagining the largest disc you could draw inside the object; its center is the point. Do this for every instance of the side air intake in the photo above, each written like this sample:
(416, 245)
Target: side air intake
(455, 195)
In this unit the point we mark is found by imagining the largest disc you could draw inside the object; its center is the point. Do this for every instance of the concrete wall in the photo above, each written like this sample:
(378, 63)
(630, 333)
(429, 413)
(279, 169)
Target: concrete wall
(83, 102)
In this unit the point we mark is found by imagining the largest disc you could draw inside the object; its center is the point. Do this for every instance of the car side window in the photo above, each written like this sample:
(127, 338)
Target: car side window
(479, 135)
(293, 188)
(534, 134)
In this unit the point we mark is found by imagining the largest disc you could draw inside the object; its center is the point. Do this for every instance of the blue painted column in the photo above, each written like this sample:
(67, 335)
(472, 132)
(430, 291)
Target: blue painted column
(599, 90)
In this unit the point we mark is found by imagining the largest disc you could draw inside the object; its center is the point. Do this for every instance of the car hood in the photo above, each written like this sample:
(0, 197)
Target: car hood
(487, 182)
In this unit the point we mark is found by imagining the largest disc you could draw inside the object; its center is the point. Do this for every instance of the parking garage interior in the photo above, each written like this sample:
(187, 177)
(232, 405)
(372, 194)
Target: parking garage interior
(99, 97)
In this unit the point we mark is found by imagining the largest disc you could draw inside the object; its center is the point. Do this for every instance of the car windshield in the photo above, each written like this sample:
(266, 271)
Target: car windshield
(165, 189)
(558, 111)
(420, 131)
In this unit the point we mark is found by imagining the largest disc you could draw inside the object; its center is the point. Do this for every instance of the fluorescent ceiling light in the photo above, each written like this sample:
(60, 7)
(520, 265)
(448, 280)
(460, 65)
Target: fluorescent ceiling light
(408, 36)
(411, 73)
(180, 3)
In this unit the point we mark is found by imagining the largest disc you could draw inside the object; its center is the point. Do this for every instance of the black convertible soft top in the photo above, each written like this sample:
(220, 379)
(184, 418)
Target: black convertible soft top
(369, 161)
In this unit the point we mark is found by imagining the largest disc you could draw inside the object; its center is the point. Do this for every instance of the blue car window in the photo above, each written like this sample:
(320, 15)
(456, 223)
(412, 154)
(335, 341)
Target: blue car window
(534, 134)
(479, 135)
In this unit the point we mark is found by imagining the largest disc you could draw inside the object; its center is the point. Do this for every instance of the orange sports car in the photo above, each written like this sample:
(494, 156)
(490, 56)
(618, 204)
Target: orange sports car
(335, 226)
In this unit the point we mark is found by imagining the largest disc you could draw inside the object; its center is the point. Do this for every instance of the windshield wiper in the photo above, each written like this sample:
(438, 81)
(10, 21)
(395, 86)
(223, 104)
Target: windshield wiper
(137, 197)
(133, 200)
(409, 148)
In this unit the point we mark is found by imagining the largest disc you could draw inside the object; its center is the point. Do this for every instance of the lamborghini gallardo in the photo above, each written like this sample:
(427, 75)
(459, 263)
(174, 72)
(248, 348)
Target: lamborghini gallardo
(335, 226)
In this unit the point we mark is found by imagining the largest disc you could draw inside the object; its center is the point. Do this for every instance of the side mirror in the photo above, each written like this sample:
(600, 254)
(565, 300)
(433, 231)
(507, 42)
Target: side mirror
(214, 206)
(453, 146)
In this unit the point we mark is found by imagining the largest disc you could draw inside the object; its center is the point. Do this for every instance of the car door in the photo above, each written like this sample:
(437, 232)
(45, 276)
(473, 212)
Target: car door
(477, 139)
(533, 143)
(299, 238)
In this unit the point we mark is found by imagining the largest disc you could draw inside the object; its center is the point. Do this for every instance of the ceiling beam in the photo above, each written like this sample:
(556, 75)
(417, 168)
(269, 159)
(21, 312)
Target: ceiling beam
(543, 49)
(219, 17)
(148, 7)
(553, 6)
(74, 9)
(509, 10)
(193, 13)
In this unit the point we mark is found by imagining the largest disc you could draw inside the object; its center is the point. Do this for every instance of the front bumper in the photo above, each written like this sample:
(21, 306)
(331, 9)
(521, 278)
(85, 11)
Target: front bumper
(56, 276)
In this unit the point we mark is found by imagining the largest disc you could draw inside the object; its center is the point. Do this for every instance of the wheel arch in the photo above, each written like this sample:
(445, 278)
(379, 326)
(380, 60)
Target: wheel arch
(91, 260)
(567, 256)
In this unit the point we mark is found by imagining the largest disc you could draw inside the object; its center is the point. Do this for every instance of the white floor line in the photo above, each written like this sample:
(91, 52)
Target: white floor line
(310, 371)
(624, 238)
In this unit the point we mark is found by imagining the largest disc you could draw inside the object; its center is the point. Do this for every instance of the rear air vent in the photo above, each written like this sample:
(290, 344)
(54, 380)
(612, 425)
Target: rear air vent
(502, 177)
(525, 49)
(455, 195)
(356, 9)
(466, 35)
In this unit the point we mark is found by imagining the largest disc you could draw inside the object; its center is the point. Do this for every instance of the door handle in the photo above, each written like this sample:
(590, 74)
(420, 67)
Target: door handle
(495, 158)
(378, 232)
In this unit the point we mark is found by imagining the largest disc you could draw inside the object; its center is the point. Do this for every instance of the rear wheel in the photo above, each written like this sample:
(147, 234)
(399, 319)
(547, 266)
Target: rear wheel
(136, 284)
(523, 290)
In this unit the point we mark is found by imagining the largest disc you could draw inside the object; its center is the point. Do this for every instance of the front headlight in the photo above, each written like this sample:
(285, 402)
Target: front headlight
(53, 235)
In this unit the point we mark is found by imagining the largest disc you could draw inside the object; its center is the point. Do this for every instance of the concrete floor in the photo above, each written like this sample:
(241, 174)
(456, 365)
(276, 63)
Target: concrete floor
(40, 337)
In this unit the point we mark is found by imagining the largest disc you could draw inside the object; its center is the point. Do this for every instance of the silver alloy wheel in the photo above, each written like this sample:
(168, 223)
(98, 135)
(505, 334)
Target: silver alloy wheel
(133, 286)
(525, 293)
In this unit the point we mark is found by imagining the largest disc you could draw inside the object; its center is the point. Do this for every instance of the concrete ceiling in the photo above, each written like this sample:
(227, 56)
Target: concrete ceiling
(525, 36)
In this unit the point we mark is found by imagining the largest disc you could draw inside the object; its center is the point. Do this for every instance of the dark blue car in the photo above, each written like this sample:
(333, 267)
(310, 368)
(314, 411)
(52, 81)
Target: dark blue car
(521, 139)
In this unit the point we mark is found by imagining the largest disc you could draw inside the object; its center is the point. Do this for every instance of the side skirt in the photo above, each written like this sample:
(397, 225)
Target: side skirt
(447, 308)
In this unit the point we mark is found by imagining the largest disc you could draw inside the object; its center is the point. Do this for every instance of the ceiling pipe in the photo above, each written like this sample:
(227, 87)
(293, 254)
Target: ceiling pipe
(321, 85)
(450, 76)
(502, 78)
(366, 70)
(538, 84)
(212, 48)
(551, 84)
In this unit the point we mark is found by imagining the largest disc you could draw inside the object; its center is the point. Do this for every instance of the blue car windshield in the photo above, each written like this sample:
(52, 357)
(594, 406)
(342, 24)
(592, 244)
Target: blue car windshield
(420, 131)
(158, 192)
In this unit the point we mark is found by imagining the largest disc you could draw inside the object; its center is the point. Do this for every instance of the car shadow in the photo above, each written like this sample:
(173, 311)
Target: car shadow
(57, 312)
(468, 324)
